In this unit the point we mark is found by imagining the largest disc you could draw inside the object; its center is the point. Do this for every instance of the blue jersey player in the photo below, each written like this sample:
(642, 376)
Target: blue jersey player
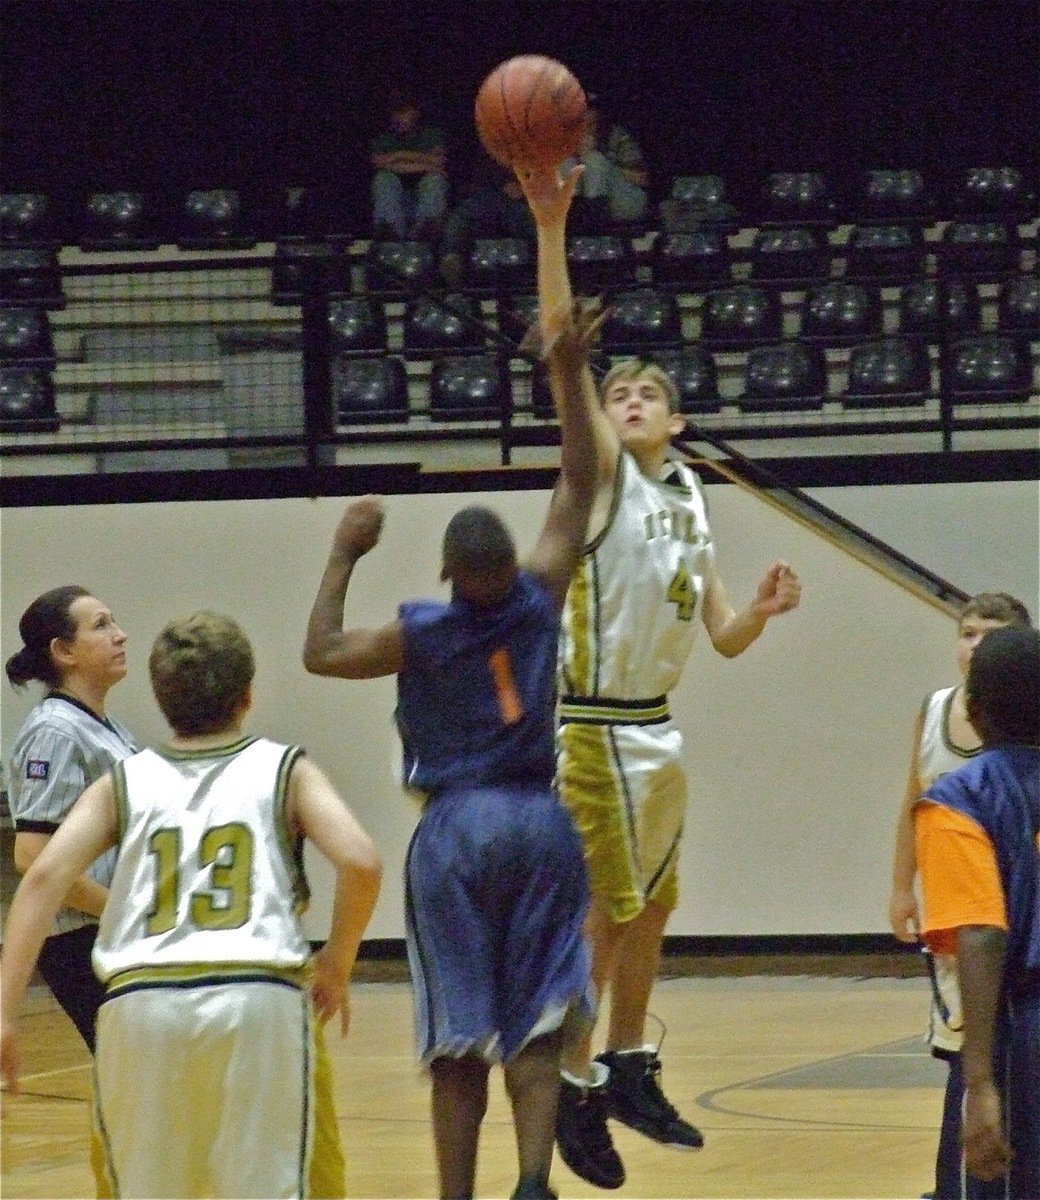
(495, 877)
(978, 849)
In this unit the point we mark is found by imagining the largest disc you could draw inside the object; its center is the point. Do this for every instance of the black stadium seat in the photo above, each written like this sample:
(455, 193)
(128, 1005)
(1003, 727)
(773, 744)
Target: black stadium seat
(741, 316)
(25, 338)
(370, 390)
(888, 371)
(694, 376)
(470, 386)
(989, 367)
(935, 308)
(641, 319)
(449, 323)
(790, 375)
(839, 313)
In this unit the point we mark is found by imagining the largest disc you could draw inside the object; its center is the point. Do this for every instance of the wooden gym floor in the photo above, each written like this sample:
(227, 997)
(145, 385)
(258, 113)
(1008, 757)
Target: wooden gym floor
(805, 1085)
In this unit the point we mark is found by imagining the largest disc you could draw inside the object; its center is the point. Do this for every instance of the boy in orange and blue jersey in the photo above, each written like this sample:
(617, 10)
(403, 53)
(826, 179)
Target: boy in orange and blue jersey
(978, 849)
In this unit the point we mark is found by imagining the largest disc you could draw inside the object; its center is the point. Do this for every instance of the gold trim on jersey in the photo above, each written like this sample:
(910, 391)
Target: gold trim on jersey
(225, 751)
(204, 974)
(291, 843)
(604, 710)
(615, 504)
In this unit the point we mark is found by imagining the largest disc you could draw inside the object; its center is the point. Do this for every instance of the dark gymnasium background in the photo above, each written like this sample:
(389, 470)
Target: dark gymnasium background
(166, 95)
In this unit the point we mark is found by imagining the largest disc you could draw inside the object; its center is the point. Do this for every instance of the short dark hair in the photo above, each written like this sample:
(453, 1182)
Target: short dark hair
(1003, 686)
(477, 540)
(47, 618)
(997, 606)
(201, 666)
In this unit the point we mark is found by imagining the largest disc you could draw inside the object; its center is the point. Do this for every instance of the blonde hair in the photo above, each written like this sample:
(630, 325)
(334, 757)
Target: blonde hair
(201, 668)
(635, 368)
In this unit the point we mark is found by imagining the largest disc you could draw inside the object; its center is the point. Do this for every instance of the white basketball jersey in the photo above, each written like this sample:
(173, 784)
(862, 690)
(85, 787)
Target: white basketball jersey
(937, 754)
(208, 870)
(634, 603)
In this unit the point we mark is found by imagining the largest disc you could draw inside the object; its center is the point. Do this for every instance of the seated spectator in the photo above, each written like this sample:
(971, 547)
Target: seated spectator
(615, 185)
(409, 183)
(494, 208)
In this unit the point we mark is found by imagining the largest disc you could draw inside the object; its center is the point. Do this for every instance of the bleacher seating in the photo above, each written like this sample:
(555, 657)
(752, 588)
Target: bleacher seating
(782, 325)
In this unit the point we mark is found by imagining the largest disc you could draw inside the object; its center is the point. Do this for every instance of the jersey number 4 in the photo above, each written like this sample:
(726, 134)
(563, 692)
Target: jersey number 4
(682, 592)
(227, 851)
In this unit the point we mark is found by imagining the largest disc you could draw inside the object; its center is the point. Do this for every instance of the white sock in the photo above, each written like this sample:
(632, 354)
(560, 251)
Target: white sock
(598, 1075)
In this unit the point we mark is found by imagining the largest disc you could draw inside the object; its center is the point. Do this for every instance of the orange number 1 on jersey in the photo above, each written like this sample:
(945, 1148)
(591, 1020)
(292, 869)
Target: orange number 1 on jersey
(505, 689)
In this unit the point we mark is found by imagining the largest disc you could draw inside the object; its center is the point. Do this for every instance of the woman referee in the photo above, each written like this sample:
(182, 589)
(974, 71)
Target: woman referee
(74, 647)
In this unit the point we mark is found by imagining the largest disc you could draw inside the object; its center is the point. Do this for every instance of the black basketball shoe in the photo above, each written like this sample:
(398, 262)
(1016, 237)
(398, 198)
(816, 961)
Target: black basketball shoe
(634, 1097)
(583, 1137)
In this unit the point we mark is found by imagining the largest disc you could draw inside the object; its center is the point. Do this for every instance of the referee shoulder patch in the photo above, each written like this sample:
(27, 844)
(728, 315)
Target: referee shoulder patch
(37, 768)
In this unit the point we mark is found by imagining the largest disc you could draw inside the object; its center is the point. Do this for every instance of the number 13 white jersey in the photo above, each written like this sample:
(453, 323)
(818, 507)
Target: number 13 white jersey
(634, 603)
(208, 870)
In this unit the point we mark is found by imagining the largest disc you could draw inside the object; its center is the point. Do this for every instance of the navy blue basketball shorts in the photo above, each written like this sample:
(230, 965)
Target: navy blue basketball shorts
(496, 897)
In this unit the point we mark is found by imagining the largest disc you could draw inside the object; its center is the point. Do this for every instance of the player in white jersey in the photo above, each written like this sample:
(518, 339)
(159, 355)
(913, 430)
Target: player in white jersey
(943, 740)
(71, 644)
(208, 1042)
(647, 579)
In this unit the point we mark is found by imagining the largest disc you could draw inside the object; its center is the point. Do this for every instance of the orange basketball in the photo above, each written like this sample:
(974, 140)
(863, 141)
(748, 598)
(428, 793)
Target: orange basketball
(531, 109)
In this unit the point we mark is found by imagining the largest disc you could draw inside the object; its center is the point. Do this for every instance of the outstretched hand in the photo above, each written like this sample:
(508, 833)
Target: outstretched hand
(549, 194)
(567, 335)
(359, 527)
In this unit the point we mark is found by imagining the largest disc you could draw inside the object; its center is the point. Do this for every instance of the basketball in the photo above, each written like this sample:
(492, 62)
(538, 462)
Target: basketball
(531, 110)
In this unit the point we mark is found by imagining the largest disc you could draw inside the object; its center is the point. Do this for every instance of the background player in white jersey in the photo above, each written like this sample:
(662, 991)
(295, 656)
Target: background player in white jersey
(647, 577)
(71, 644)
(943, 740)
(207, 1046)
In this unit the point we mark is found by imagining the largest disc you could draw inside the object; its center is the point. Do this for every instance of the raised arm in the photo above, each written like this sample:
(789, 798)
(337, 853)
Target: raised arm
(562, 539)
(549, 197)
(329, 649)
(322, 815)
(87, 831)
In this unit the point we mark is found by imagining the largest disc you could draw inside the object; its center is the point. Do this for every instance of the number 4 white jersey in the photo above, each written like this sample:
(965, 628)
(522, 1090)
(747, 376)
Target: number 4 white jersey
(208, 871)
(635, 600)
